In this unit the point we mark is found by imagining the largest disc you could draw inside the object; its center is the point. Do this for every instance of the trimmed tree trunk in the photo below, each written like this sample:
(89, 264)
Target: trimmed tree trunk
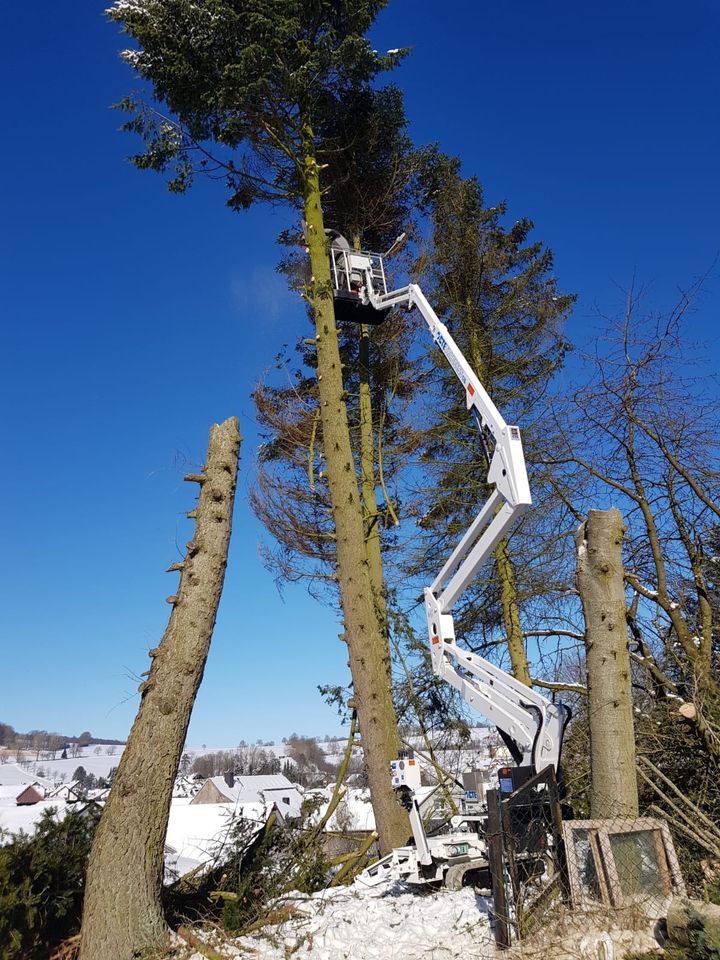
(122, 913)
(371, 513)
(612, 737)
(369, 655)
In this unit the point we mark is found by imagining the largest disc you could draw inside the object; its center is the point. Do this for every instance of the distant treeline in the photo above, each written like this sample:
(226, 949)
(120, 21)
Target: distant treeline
(305, 762)
(45, 740)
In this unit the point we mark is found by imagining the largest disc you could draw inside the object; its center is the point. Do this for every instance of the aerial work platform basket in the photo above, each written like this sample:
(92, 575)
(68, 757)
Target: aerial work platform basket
(349, 269)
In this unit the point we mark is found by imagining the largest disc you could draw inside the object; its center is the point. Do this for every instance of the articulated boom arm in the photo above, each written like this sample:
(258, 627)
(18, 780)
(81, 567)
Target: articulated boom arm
(533, 723)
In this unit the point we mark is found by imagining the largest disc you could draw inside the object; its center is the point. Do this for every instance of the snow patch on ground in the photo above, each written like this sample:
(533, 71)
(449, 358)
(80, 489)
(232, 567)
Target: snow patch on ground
(99, 765)
(11, 775)
(200, 833)
(13, 819)
(376, 923)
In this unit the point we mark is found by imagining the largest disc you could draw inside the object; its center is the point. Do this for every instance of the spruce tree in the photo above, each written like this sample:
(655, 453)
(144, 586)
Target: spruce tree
(242, 91)
(495, 291)
(367, 196)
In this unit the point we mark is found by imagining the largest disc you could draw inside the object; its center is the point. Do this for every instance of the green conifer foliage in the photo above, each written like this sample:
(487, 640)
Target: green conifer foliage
(494, 289)
(42, 879)
(242, 93)
(235, 86)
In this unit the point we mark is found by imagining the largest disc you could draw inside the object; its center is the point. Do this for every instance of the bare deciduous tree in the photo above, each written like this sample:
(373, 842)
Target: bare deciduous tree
(642, 432)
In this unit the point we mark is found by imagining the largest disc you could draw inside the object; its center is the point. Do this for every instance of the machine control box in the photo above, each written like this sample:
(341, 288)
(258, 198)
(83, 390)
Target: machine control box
(405, 771)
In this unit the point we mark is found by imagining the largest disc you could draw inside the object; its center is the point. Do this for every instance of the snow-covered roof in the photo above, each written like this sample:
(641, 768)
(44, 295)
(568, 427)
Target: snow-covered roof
(10, 793)
(250, 789)
(198, 833)
(66, 791)
(287, 800)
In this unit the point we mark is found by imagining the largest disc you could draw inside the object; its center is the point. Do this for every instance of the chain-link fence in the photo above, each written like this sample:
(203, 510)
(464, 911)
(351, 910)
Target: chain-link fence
(563, 873)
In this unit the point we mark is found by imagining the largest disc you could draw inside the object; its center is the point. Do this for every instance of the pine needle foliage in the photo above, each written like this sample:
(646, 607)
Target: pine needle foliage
(494, 288)
(264, 865)
(234, 84)
(42, 878)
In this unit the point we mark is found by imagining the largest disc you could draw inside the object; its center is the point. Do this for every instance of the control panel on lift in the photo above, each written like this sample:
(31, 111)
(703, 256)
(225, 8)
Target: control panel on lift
(511, 779)
(405, 771)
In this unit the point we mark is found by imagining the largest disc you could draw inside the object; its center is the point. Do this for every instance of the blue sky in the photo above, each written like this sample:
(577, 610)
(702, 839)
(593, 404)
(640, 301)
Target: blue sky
(133, 319)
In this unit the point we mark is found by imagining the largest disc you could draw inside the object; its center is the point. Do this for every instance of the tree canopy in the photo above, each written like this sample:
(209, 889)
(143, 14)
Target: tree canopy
(243, 84)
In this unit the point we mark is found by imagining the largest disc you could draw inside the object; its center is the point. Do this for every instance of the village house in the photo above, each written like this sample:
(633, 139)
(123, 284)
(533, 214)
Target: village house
(271, 789)
(29, 795)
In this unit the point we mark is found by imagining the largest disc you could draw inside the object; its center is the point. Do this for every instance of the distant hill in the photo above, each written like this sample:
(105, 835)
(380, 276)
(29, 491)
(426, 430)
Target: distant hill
(47, 740)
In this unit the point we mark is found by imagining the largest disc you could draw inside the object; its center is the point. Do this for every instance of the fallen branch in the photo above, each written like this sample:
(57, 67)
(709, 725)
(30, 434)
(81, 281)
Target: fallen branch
(694, 807)
(279, 915)
(685, 823)
(340, 788)
(346, 873)
(678, 825)
(197, 944)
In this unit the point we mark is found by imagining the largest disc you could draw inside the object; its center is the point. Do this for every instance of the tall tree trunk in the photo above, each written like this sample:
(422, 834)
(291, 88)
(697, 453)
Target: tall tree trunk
(371, 513)
(612, 737)
(368, 492)
(122, 913)
(367, 643)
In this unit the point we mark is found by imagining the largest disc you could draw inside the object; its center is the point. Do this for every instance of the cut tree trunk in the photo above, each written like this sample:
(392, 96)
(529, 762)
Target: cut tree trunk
(369, 655)
(511, 613)
(693, 921)
(122, 913)
(612, 737)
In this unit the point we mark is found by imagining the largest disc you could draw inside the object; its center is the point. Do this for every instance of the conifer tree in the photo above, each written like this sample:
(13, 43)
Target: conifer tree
(242, 93)
(494, 290)
(367, 196)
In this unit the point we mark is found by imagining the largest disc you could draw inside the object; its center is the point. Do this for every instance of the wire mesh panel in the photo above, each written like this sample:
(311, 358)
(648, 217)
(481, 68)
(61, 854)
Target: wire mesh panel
(575, 875)
(622, 862)
(533, 855)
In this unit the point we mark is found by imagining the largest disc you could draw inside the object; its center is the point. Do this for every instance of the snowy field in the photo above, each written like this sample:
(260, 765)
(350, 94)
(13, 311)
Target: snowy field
(13, 775)
(13, 819)
(98, 764)
(374, 923)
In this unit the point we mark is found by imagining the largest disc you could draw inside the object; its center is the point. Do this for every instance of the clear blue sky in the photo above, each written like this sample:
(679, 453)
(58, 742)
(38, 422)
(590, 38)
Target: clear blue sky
(133, 319)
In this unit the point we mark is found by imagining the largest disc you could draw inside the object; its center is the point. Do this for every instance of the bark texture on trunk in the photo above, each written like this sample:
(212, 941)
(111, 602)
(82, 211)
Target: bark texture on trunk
(369, 656)
(511, 613)
(122, 912)
(612, 737)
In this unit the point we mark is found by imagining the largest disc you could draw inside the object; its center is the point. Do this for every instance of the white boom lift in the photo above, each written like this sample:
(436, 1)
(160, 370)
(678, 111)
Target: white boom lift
(530, 724)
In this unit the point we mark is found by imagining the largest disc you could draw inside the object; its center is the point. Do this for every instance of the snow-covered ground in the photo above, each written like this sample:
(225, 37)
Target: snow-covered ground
(13, 775)
(99, 765)
(389, 922)
(197, 833)
(354, 812)
(13, 819)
